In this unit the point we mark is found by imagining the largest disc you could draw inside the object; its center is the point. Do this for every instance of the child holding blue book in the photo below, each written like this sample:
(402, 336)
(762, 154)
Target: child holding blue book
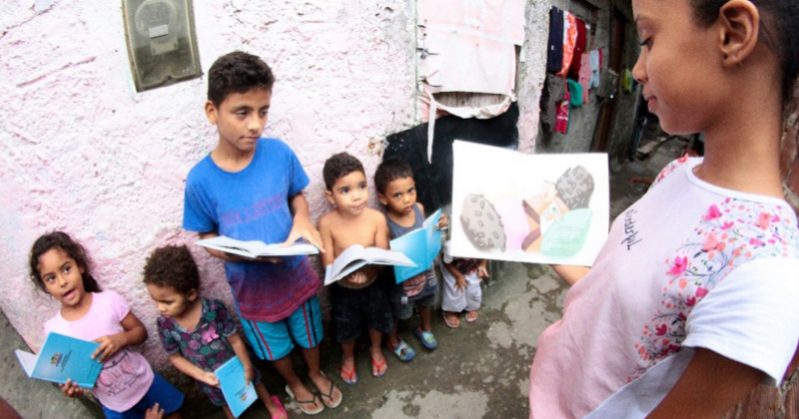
(127, 386)
(396, 191)
(198, 333)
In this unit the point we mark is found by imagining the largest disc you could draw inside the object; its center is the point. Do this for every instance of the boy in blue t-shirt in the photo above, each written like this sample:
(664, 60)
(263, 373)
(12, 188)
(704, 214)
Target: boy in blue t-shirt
(250, 188)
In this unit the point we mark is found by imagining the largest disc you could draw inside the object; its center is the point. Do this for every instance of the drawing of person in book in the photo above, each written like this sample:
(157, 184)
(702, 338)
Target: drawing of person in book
(558, 216)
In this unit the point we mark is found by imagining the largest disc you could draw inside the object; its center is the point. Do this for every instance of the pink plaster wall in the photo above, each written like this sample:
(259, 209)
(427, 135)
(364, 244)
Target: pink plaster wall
(83, 152)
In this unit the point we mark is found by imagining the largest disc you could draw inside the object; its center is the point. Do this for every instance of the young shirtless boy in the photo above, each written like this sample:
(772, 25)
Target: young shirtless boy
(358, 300)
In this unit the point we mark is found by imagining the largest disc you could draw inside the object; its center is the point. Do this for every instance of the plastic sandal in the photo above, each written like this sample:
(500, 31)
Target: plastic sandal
(281, 410)
(404, 352)
(451, 319)
(427, 339)
(303, 403)
(327, 397)
(348, 376)
(471, 316)
(379, 368)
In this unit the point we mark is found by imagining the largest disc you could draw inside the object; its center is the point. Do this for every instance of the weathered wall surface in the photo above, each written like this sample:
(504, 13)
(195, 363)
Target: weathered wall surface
(83, 152)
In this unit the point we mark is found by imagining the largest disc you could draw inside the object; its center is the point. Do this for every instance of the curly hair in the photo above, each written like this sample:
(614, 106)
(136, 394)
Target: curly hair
(172, 266)
(237, 72)
(338, 166)
(389, 170)
(73, 249)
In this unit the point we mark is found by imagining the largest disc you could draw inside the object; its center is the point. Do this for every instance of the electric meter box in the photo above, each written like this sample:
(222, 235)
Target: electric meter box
(162, 44)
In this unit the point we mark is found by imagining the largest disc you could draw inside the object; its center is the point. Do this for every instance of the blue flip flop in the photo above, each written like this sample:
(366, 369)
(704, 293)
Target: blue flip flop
(403, 351)
(427, 339)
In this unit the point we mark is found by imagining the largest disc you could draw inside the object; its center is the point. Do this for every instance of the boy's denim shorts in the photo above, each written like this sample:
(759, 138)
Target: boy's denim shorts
(405, 311)
(273, 341)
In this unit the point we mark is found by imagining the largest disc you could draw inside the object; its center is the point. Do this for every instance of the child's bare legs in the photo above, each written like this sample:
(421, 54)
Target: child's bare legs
(325, 386)
(285, 367)
(425, 313)
(393, 336)
(348, 374)
(379, 365)
(274, 410)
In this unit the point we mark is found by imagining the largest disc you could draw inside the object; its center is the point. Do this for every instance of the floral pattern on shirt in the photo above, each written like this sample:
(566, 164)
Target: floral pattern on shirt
(206, 346)
(729, 234)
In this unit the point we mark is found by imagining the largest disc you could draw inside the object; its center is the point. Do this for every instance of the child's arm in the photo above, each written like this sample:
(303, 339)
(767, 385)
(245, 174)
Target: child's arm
(460, 280)
(134, 334)
(185, 366)
(241, 351)
(571, 273)
(482, 270)
(302, 226)
(327, 240)
(710, 386)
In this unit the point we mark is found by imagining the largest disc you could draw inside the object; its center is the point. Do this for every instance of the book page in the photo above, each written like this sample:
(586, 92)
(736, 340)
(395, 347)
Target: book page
(254, 248)
(532, 208)
(27, 360)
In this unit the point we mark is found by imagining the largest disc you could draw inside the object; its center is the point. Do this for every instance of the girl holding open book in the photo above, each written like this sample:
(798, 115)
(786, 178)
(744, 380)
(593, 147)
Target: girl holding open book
(127, 386)
(198, 333)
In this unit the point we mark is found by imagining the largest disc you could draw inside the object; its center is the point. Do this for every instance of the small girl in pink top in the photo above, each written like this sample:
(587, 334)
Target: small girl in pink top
(127, 386)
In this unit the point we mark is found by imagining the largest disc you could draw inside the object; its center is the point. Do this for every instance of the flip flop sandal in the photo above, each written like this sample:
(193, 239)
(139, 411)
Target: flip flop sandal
(303, 403)
(451, 320)
(427, 339)
(327, 397)
(281, 411)
(403, 351)
(471, 316)
(379, 368)
(348, 376)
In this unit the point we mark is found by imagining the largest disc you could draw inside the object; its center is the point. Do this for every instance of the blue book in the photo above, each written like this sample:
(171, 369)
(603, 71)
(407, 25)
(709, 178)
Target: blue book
(61, 358)
(239, 394)
(421, 246)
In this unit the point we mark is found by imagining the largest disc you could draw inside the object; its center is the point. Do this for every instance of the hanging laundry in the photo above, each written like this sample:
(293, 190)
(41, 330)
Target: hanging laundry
(553, 93)
(579, 48)
(584, 78)
(562, 118)
(469, 47)
(595, 67)
(569, 41)
(575, 94)
(555, 42)
(627, 81)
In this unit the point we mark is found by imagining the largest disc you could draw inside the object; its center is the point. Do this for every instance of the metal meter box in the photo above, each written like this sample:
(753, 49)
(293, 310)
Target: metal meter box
(162, 44)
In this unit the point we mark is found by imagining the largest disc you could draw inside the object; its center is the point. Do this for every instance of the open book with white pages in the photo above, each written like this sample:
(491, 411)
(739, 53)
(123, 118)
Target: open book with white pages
(255, 248)
(356, 257)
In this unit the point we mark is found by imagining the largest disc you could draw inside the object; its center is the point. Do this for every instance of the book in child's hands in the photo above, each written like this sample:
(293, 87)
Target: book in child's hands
(421, 246)
(255, 248)
(356, 257)
(61, 358)
(239, 394)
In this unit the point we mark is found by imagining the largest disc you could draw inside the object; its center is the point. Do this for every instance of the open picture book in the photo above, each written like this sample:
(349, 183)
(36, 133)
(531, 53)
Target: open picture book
(61, 358)
(255, 248)
(239, 393)
(356, 257)
(421, 246)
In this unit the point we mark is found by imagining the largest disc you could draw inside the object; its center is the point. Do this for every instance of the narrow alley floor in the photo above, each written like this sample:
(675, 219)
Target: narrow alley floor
(480, 369)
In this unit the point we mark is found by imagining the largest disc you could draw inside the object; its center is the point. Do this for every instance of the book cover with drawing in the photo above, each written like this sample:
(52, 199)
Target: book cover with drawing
(421, 246)
(255, 248)
(532, 208)
(356, 257)
(239, 394)
(61, 358)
